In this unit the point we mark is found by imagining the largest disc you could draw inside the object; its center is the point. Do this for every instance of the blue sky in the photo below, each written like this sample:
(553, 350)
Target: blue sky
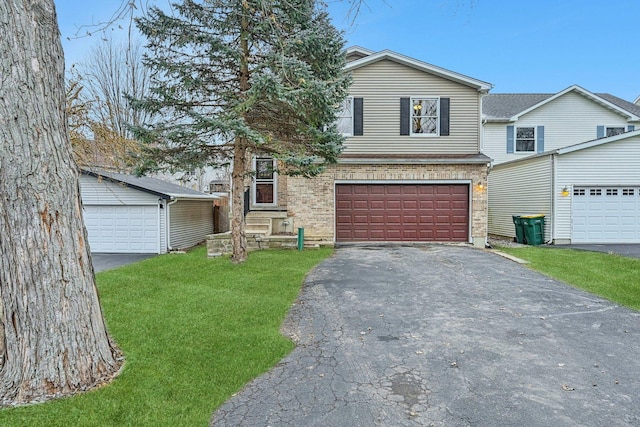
(517, 45)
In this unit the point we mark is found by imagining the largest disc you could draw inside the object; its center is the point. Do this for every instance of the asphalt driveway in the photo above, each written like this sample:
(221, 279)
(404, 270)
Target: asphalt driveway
(102, 262)
(446, 336)
(630, 250)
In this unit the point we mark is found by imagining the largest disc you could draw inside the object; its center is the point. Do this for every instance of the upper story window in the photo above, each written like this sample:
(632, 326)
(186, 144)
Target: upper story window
(614, 130)
(603, 131)
(424, 116)
(345, 118)
(525, 139)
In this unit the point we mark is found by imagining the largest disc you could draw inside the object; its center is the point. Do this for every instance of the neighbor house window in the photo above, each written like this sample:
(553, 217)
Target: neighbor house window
(345, 118)
(525, 140)
(264, 182)
(424, 116)
(614, 130)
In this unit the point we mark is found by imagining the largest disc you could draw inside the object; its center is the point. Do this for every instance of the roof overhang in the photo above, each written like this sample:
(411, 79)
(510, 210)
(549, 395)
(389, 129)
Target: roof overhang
(160, 194)
(572, 148)
(479, 85)
(414, 159)
(596, 142)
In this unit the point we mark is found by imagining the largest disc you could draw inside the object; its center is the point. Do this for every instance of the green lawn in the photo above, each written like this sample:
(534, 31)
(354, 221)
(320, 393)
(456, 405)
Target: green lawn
(193, 330)
(614, 277)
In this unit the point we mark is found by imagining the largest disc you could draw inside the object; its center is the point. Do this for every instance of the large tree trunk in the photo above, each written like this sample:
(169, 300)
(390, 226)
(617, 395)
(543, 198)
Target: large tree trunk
(55, 341)
(238, 176)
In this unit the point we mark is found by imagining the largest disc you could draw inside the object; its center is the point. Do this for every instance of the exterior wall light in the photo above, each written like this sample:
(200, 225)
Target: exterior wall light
(565, 191)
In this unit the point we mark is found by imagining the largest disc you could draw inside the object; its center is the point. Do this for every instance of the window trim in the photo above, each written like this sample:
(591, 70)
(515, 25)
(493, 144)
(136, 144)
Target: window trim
(339, 116)
(273, 180)
(607, 127)
(535, 140)
(437, 116)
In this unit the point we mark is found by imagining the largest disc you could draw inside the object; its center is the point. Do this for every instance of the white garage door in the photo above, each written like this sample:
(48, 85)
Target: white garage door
(122, 229)
(605, 215)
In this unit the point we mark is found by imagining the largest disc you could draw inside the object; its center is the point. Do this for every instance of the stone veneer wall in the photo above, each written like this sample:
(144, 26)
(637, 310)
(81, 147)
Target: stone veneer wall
(312, 201)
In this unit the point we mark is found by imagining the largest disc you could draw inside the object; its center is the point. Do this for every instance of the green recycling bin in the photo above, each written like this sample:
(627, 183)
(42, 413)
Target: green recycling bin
(533, 226)
(517, 221)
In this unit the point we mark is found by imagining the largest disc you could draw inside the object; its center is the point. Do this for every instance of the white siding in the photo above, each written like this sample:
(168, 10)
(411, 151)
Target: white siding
(519, 189)
(189, 223)
(613, 164)
(567, 120)
(104, 192)
(383, 83)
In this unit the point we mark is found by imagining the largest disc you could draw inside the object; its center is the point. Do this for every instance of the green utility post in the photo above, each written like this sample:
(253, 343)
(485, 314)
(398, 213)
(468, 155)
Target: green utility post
(300, 238)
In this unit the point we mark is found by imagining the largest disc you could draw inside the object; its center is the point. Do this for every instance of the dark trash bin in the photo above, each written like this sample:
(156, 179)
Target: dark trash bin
(533, 227)
(517, 221)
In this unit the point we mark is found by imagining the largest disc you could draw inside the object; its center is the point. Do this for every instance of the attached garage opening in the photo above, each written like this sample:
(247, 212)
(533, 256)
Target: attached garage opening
(605, 214)
(402, 212)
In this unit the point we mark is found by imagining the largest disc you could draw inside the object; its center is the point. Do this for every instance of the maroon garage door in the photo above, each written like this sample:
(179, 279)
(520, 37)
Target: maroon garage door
(402, 212)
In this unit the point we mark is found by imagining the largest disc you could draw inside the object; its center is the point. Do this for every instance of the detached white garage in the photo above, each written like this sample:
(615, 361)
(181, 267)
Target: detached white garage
(129, 214)
(588, 192)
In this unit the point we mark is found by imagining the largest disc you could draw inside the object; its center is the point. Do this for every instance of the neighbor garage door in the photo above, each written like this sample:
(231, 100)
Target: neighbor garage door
(605, 215)
(402, 212)
(122, 229)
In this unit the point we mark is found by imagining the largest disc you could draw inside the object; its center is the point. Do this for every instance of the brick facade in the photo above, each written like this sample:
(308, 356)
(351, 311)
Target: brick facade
(311, 202)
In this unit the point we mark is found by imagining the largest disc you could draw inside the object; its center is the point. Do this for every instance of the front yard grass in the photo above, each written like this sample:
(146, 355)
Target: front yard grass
(193, 331)
(613, 277)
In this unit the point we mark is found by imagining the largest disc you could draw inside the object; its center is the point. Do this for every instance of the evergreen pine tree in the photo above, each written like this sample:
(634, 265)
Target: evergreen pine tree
(241, 78)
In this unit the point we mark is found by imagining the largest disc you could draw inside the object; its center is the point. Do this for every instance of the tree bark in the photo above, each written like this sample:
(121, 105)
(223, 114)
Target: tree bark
(238, 236)
(55, 340)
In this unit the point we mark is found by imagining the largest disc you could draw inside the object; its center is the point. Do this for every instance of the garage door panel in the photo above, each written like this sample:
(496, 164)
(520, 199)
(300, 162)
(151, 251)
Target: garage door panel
(122, 228)
(605, 215)
(424, 212)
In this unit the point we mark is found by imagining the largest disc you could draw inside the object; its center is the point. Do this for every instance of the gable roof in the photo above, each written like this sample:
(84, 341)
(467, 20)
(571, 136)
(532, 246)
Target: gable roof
(371, 58)
(508, 107)
(596, 142)
(357, 52)
(158, 187)
(573, 148)
(637, 100)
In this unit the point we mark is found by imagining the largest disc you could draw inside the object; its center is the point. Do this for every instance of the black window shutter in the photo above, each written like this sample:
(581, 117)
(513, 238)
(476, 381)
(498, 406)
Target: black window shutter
(404, 116)
(444, 116)
(358, 128)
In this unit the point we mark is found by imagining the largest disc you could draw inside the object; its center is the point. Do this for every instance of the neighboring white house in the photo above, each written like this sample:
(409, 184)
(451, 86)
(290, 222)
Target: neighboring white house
(588, 192)
(518, 125)
(129, 214)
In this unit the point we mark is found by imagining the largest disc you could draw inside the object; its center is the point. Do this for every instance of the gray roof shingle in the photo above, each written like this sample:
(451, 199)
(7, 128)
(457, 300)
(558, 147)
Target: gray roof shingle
(503, 106)
(151, 185)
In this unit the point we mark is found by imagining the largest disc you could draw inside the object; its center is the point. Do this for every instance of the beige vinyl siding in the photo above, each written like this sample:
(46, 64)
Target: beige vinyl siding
(567, 120)
(104, 192)
(383, 83)
(189, 223)
(613, 164)
(522, 188)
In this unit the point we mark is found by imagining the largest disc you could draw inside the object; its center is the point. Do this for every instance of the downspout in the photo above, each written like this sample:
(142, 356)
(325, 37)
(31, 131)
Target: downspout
(554, 186)
(168, 227)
